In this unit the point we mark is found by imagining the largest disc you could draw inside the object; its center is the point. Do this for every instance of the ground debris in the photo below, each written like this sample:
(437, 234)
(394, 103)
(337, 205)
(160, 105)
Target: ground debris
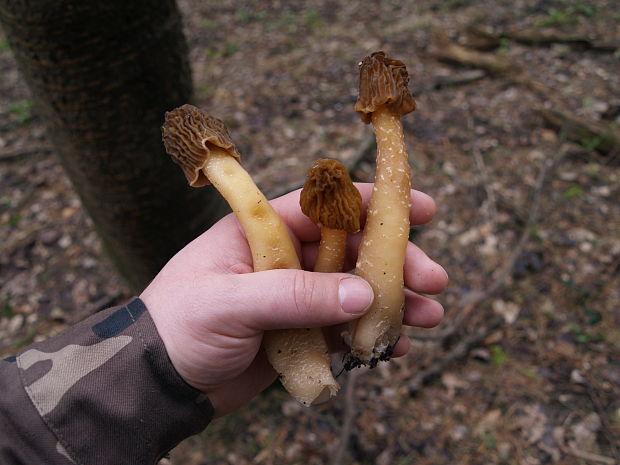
(526, 375)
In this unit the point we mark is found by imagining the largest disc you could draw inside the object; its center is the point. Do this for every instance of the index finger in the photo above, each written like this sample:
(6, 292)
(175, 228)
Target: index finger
(287, 206)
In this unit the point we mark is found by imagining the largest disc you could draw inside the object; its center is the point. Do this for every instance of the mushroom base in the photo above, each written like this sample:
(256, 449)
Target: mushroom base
(301, 359)
(379, 354)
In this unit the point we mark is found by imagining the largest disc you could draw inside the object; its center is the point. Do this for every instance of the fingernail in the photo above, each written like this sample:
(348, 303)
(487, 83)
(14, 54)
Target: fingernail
(355, 295)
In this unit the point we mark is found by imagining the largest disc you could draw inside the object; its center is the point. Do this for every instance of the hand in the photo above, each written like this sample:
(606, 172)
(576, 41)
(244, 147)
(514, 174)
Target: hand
(210, 309)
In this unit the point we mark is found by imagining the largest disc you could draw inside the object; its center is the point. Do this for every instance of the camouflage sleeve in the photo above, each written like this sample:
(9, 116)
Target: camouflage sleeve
(102, 392)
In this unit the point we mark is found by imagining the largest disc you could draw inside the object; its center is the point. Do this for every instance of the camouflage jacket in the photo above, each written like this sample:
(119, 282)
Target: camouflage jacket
(102, 392)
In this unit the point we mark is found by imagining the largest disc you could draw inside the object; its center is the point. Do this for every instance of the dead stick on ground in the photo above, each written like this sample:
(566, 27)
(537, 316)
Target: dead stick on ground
(452, 52)
(492, 202)
(594, 134)
(603, 414)
(348, 418)
(601, 136)
(457, 353)
(22, 153)
(542, 37)
(364, 151)
(475, 298)
(589, 456)
(471, 301)
(484, 175)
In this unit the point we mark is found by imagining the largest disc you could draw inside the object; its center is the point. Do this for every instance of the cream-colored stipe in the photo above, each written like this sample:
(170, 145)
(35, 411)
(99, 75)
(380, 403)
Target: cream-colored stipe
(299, 356)
(384, 242)
(332, 249)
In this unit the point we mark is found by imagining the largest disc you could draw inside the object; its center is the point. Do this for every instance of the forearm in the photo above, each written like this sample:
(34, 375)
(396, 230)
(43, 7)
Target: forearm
(104, 391)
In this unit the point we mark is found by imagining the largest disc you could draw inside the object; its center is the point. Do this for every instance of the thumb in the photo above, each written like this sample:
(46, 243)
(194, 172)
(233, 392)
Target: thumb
(282, 299)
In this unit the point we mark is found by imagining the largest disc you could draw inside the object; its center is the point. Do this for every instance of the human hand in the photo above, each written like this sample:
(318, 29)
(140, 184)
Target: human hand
(211, 310)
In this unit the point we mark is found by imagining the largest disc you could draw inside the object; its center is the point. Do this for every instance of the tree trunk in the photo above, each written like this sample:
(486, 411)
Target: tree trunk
(102, 74)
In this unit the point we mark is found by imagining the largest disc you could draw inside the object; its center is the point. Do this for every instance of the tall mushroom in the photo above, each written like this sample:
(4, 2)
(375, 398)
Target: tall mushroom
(202, 146)
(333, 203)
(383, 99)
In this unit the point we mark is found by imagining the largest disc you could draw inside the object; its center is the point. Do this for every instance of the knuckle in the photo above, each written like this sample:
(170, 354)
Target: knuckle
(304, 292)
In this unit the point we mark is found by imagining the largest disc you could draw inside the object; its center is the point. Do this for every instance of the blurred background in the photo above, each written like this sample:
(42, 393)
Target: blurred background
(516, 136)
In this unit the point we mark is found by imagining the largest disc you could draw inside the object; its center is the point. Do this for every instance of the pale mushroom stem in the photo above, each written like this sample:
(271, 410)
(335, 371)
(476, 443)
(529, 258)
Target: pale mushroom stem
(263, 227)
(384, 242)
(332, 249)
(299, 356)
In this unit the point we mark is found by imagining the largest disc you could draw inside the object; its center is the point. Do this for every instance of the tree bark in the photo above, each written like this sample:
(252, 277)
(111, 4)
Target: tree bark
(102, 74)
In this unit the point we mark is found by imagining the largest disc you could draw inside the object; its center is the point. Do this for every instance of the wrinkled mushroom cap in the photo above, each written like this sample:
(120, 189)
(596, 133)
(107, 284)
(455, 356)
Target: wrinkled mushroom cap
(329, 197)
(190, 135)
(383, 81)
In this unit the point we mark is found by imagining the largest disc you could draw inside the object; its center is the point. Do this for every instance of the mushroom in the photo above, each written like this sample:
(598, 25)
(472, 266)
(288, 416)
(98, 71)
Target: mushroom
(383, 99)
(333, 203)
(202, 146)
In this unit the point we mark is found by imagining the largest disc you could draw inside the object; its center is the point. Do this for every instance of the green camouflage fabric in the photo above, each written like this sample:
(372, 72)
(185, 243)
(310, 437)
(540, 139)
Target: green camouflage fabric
(102, 392)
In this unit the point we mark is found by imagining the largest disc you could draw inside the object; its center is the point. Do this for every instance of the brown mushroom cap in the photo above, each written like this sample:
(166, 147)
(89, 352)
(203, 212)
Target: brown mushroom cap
(190, 135)
(383, 81)
(329, 197)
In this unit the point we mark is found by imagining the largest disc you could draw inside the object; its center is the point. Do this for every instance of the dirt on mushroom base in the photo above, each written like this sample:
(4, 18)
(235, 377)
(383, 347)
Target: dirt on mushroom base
(542, 387)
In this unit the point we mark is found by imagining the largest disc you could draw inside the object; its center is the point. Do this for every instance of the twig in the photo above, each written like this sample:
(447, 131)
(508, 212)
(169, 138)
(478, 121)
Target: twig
(593, 134)
(458, 79)
(473, 299)
(582, 454)
(350, 411)
(105, 302)
(600, 137)
(449, 51)
(543, 37)
(20, 153)
(534, 201)
(492, 205)
(479, 161)
(457, 353)
(364, 151)
(23, 239)
(602, 413)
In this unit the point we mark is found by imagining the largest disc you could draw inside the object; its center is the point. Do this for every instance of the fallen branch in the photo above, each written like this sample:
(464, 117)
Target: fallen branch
(458, 352)
(21, 153)
(540, 37)
(592, 134)
(589, 456)
(484, 175)
(458, 79)
(365, 151)
(471, 301)
(603, 412)
(474, 299)
(21, 241)
(550, 36)
(449, 51)
(350, 411)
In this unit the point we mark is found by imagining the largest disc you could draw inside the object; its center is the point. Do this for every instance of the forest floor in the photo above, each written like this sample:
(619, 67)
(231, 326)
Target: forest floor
(516, 137)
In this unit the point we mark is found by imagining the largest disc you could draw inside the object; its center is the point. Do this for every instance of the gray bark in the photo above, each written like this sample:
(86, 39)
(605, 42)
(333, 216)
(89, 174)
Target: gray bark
(102, 74)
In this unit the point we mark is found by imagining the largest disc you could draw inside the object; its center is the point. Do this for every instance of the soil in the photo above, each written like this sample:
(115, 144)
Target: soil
(525, 368)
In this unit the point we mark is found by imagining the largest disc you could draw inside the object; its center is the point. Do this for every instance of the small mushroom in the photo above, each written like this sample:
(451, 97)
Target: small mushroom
(383, 99)
(333, 203)
(202, 146)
